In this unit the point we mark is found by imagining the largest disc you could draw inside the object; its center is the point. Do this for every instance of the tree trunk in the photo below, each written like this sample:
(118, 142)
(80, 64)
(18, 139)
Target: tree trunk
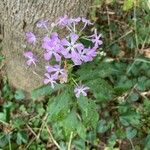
(20, 16)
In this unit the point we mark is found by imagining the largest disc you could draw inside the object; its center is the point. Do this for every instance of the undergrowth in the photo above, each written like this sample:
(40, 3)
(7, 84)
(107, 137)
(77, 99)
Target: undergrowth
(115, 113)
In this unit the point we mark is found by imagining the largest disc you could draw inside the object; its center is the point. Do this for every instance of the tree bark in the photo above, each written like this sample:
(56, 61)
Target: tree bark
(20, 16)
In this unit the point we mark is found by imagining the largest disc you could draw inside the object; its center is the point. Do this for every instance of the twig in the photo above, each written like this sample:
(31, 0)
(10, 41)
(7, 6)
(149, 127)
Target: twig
(135, 60)
(130, 31)
(31, 130)
(133, 148)
(52, 138)
(135, 28)
(143, 94)
(43, 125)
(31, 141)
(4, 122)
(108, 19)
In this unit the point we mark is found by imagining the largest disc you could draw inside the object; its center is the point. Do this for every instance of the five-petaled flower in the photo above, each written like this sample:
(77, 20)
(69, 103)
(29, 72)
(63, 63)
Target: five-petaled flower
(31, 38)
(96, 39)
(81, 90)
(83, 55)
(49, 80)
(70, 48)
(63, 21)
(56, 71)
(42, 24)
(86, 22)
(31, 58)
(52, 46)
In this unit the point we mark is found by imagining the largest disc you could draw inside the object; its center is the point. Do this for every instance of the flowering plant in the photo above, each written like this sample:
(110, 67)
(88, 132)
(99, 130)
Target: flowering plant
(59, 53)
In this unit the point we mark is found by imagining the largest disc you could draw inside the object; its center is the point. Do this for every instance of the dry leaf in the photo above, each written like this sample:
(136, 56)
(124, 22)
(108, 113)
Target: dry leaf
(146, 52)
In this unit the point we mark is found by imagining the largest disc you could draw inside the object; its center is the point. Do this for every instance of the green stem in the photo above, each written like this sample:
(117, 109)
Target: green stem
(10, 148)
(74, 81)
(133, 148)
(70, 140)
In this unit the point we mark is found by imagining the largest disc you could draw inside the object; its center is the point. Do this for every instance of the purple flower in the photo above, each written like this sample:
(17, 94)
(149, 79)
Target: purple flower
(74, 20)
(96, 39)
(81, 90)
(30, 38)
(76, 58)
(49, 80)
(90, 54)
(42, 24)
(56, 72)
(31, 59)
(63, 21)
(48, 55)
(86, 21)
(52, 46)
(83, 55)
(70, 47)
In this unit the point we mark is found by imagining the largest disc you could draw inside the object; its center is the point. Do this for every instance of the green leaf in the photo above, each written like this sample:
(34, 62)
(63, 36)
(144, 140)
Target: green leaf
(18, 122)
(59, 105)
(147, 105)
(101, 89)
(102, 126)
(133, 97)
(70, 123)
(19, 95)
(89, 71)
(131, 133)
(128, 4)
(130, 117)
(2, 116)
(123, 85)
(91, 136)
(1, 58)
(142, 83)
(147, 142)
(112, 141)
(22, 137)
(79, 144)
(81, 130)
(4, 139)
(89, 113)
(44, 90)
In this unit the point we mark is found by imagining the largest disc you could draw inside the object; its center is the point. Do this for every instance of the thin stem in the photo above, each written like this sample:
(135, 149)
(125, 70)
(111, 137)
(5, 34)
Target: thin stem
(130, 31)
(131, 67)
(108, 19)
(31, 141)
(83, 37)
(70, 140)
(10, 148)
(133, 148)
(135, 60)
(69, 28)
(4, 122)
(44, 120)
(135, 28)
(83, 28)
(52, 138)
(74, 81)
(31, 130)
(74, 27)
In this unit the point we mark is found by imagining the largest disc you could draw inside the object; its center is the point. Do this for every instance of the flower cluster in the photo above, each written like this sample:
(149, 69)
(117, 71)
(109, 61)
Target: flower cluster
(68, 49)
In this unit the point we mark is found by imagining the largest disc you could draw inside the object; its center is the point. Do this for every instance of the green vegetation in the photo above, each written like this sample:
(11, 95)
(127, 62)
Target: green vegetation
(114, 116)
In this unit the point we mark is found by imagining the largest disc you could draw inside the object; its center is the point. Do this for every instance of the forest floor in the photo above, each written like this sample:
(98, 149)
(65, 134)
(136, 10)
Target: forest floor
(124, 121)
